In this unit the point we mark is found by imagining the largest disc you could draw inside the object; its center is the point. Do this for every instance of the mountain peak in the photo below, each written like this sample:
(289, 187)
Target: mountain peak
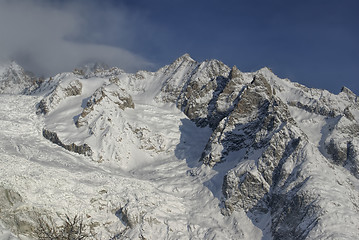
(14, 79)
(265, 71)
(282, 155)
(234, 73)
(10, 65)
(349, 93)
(347, 90)
(185, 57)
(91, 67)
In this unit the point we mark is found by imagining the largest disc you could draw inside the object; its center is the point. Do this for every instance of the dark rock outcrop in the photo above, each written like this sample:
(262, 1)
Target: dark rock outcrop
(315, 108)
(109, 93)
(195, 88)
(62, 91)
(82, 149)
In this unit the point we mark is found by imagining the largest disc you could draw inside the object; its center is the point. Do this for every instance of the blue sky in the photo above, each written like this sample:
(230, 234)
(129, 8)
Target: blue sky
(311, 42)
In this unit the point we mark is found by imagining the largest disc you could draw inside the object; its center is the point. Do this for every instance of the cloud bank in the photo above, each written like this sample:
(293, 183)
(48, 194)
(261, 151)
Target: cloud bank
(48, 38)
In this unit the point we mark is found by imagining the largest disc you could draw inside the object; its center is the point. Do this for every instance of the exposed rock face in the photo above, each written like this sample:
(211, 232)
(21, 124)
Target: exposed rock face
(176, 76)
(349, 94)
(341, 144)
(82, 149)
(265, 136)
(97, 69)
(204, 86)
(194, 87)
(322, 110)
(271, 138)
(253, 126)
(211, 94)
(254, 130)
(294, 216)
(106, 93)
(256, 117)
(61, 92)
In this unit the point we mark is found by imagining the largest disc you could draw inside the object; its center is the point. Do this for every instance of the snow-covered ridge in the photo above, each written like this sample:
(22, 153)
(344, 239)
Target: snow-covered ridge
(188, 151)
(14, 79)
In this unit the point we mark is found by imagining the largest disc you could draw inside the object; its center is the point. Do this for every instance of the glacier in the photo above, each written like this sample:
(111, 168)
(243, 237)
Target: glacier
(195, 150)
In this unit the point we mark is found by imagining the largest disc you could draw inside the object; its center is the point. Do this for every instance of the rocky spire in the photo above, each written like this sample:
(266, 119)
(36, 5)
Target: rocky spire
(234, 73)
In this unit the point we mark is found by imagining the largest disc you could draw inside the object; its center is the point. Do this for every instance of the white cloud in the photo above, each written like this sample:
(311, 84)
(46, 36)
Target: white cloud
(38, 36)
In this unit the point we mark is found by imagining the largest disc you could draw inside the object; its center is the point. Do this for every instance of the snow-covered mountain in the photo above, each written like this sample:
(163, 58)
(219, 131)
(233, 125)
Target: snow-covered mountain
(15, 80)
(195, 150)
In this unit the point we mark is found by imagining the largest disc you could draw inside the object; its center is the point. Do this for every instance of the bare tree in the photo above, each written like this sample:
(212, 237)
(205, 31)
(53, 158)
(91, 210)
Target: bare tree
(71, 229)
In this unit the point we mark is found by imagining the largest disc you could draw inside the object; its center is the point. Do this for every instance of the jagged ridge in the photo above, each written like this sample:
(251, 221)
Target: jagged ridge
(270, 139)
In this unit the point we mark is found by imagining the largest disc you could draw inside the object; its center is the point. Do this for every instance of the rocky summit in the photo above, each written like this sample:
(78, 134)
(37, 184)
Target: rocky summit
(195, 150)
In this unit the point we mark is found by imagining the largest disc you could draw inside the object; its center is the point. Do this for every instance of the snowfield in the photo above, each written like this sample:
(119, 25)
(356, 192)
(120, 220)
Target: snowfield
(192, 151)
(157, 192)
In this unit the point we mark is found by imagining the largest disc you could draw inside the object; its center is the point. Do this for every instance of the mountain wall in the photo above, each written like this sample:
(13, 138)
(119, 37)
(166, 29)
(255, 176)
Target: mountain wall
(278, 156)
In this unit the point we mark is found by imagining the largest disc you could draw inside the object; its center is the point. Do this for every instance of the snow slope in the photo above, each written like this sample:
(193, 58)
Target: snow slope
(158, 197)
(191, 151)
